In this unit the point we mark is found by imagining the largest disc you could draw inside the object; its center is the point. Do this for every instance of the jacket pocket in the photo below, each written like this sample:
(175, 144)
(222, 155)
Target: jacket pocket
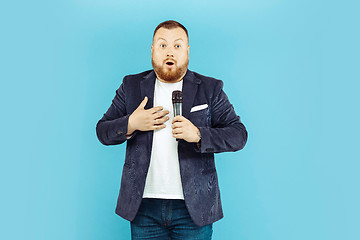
(200, 118)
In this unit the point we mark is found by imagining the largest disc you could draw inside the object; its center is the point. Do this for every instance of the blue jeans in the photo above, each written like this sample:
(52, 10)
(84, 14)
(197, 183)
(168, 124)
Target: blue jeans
(166, 219)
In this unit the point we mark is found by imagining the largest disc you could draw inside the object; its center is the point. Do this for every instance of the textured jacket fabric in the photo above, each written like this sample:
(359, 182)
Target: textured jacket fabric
(221, 131)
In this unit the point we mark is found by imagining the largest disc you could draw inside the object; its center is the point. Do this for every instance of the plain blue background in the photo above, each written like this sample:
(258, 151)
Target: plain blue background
(290, 68)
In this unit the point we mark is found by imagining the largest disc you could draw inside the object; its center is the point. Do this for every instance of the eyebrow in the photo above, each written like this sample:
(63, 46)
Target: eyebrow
(179, 39)
(174, 41)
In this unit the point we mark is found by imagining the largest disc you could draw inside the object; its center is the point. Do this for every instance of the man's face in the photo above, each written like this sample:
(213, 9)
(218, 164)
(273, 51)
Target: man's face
(170, 54)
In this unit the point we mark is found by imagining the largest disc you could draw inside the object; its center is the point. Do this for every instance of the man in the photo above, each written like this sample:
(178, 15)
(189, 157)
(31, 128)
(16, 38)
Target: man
(169, 187)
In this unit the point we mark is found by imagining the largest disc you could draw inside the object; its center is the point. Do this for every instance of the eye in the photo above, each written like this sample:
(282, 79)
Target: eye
(177, 46)
(162, 45)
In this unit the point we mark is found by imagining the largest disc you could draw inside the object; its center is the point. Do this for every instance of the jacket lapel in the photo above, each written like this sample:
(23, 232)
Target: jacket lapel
(190, 86)
(147, 87)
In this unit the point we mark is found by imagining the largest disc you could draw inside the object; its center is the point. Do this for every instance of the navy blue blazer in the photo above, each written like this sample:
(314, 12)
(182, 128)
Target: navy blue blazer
(221, 131)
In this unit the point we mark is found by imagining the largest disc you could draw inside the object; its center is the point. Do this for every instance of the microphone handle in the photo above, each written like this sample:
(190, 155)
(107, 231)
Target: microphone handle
(177, 106)
(177, 109)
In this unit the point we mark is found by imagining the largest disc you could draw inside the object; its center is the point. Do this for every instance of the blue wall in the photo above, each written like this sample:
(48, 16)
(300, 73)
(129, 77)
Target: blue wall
(290, 68)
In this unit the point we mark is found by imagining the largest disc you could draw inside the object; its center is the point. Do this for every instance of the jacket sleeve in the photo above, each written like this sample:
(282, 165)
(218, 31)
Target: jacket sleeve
(112, 127)
(227, 133)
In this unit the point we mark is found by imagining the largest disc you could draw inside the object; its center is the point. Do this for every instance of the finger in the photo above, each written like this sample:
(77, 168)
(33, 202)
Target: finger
(160, 114)
(157, 127)
(177, 131)
(156, 109)
(179, 118)
(176, 125)
(161, 120)
(143, 103)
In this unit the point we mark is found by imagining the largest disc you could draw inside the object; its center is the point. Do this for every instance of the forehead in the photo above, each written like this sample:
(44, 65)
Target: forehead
(170, 34)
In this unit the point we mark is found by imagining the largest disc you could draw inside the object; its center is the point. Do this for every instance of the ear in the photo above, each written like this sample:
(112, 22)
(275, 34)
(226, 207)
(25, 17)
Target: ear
(188, 50)
(152, 46)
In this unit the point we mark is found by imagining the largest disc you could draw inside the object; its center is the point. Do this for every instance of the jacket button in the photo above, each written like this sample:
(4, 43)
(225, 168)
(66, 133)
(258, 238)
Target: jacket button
(119, 132)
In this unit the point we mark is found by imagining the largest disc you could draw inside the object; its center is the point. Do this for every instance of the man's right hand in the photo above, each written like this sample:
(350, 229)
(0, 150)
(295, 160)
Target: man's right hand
(147, 119)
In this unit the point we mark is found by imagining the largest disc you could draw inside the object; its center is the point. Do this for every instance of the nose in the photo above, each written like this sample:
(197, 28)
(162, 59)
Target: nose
(170, 55)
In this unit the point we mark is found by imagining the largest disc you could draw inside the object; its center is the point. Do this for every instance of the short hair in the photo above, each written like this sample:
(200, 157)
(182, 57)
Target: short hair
(171, 24)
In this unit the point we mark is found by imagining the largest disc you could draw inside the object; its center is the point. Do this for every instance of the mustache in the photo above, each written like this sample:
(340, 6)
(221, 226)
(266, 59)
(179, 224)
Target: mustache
(170, 60)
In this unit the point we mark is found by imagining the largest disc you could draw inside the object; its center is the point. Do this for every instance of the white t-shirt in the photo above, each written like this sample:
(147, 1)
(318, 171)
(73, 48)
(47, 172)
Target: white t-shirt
(163, 179)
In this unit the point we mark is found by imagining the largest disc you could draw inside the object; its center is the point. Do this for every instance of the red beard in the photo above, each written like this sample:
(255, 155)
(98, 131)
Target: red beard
(170, 75)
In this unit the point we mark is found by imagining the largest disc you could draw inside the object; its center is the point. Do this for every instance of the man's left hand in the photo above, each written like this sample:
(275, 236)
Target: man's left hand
(184, 129)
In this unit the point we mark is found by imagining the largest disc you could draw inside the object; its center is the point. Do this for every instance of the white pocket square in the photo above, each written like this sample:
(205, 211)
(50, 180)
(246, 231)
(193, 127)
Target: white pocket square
(198, 107)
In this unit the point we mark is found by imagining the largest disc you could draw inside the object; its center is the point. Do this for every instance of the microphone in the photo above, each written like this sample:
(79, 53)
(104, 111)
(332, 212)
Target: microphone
(177, 102)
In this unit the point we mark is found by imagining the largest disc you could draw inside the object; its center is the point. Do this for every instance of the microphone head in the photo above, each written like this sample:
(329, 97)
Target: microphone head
(177, 96)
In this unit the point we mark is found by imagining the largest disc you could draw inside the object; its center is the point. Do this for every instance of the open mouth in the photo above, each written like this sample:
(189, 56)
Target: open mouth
(169, 63)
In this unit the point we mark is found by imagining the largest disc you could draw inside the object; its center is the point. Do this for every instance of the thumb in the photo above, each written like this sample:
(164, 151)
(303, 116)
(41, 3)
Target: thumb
(143, 103)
